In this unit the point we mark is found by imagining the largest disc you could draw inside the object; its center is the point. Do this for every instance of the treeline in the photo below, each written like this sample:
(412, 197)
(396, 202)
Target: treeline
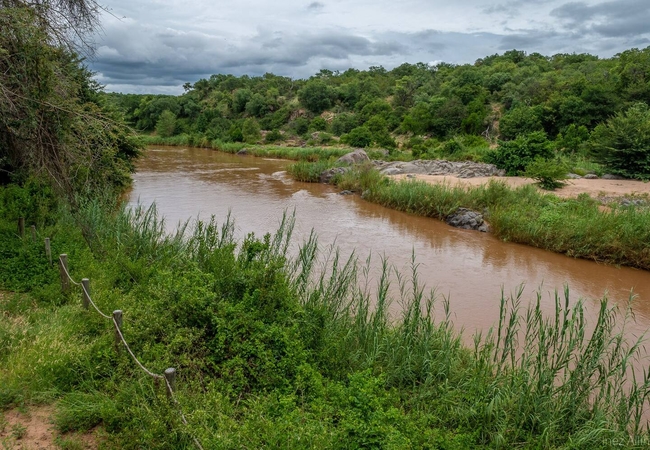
(555, 102)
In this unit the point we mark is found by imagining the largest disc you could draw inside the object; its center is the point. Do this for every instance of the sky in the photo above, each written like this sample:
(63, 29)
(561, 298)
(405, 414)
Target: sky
(155, 46)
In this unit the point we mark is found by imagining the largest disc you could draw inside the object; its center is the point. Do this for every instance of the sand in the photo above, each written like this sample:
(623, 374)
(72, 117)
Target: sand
(594, 188)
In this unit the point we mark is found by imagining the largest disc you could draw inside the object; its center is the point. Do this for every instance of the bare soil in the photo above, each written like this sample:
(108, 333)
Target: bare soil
(594, 188)
(32, 429)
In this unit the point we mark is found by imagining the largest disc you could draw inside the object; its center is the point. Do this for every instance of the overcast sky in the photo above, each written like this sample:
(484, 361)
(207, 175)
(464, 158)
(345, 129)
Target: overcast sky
(154, 46)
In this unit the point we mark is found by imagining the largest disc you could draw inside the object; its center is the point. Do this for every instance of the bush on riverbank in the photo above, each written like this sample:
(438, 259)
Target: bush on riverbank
(277, 351)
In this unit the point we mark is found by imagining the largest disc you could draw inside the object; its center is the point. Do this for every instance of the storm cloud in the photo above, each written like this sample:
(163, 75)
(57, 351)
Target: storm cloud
(157, 45)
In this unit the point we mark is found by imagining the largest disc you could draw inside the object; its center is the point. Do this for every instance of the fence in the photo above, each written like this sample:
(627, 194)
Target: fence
(168, 376)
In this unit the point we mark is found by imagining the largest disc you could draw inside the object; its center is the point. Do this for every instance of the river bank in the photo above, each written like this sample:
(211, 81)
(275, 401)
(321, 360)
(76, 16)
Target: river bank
(274, 355)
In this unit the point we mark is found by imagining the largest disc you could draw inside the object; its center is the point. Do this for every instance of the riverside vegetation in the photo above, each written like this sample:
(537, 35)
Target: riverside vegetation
(278, 349)
(277, 344)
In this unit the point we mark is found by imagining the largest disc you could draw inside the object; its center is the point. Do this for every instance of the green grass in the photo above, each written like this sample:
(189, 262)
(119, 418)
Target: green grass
(575, 227)
(275, 351)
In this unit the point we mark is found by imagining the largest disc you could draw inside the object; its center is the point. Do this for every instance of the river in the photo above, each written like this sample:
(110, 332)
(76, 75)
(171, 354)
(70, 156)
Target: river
(468, 267)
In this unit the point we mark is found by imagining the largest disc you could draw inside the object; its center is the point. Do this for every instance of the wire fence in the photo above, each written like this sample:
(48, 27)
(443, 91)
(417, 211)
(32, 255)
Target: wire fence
(169, 376)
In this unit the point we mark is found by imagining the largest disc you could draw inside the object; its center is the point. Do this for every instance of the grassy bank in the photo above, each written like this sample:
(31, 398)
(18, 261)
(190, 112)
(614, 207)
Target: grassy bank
(575, 227)
(309, 153)
(281, 352)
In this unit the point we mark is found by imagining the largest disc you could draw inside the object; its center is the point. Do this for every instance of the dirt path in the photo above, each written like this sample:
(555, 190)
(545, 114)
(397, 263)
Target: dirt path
(32, 429)
(594, 188)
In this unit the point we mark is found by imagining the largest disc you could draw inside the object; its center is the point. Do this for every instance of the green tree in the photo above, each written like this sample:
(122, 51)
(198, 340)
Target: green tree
(166, 124)
(251, 131)
(316, 96)
(359, 137)
(622, 144)
(514, 156)
(53, 123)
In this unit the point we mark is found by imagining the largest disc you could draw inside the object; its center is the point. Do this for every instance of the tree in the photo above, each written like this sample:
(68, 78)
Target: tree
(622, 144)
(52, 122)
(316, 96)
(166, 124)
(359, 137)
(251, 131)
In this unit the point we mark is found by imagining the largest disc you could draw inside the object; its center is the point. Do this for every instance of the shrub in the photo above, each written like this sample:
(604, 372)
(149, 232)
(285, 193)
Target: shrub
(515, 156)
(622, 144)
(548, 172)
(318, 124)
(359, 137)
(251, 131)
(166, 124)
(273, 136)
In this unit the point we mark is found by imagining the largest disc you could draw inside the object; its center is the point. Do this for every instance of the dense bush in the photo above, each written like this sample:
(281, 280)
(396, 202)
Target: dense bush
(358, 137)
(622, 144)
(514, 156)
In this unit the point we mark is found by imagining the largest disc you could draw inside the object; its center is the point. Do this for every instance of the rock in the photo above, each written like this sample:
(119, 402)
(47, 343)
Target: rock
(410, 175)
(609, 176)
(355, 157)
(243, 151)
(573, 176)
(464, 169)
(326, 175)
(346, 192)
(590, 176)
(468, 220)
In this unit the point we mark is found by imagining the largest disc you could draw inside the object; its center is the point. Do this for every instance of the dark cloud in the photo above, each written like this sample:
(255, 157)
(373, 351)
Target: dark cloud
(621, 18)
(170, 57)
(158, 48)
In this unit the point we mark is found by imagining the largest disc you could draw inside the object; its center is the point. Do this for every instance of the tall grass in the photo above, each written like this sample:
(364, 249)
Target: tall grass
(299, 351)
(575, 227)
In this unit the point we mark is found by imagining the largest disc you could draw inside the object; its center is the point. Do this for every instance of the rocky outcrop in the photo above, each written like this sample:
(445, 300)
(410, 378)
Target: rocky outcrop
(468, 220)
(461, 169)
(356, 157)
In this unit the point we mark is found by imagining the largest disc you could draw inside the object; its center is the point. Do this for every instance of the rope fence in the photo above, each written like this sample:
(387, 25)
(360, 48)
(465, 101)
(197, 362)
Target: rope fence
(169, 376)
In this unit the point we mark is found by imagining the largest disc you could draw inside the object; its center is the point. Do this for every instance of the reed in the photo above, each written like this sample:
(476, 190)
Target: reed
(278, 343)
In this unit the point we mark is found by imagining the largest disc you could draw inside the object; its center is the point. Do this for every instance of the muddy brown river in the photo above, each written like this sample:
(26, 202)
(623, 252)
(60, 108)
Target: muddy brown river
(469, 267)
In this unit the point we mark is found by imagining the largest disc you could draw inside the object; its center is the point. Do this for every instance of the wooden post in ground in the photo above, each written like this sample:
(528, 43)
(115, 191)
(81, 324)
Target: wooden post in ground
(21, 227)
(63, 270)
(117, 318)
(33, 228)
(170, 385)
(48, 250)
(85, 287)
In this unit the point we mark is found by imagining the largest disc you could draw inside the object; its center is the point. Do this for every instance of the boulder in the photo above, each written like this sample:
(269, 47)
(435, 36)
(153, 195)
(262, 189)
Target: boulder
(468, 220)
(461, 169)
(573, 176)
(609, 176)
(355, 157)
(243, 151)
(590, 176)
(326, 175)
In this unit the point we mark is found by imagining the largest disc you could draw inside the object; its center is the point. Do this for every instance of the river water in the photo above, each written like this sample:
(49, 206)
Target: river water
(468, 267)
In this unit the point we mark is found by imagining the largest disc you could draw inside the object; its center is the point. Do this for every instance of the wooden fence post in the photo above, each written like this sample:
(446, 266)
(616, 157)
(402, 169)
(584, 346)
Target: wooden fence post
(63, 270)
(117, 317)
(170, 385)
(85, 287)
(33, 228)
(48, 250)
(21, 227)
